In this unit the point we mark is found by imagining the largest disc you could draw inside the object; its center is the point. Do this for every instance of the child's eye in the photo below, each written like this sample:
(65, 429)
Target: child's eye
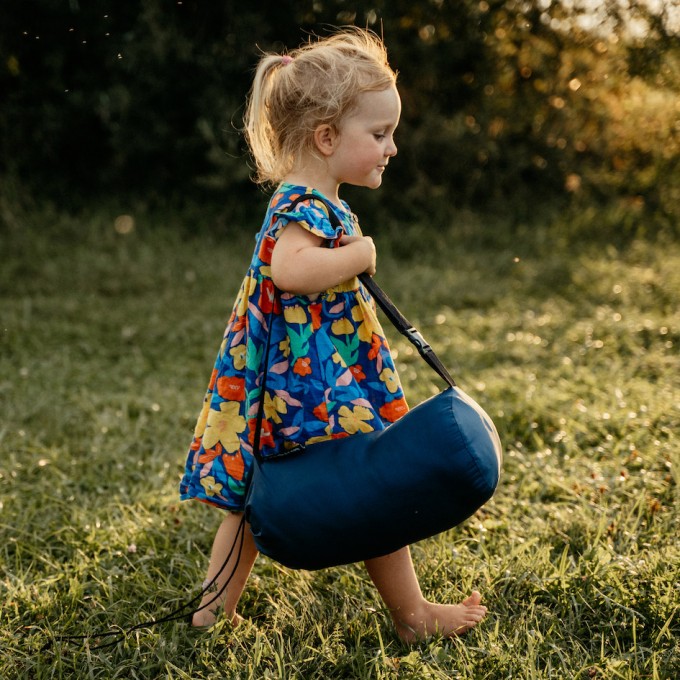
(379, 136)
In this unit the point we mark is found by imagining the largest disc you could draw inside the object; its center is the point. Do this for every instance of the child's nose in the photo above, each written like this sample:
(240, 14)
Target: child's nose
(391, 149)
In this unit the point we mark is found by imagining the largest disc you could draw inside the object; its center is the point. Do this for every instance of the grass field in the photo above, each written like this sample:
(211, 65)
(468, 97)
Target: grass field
(107, 340)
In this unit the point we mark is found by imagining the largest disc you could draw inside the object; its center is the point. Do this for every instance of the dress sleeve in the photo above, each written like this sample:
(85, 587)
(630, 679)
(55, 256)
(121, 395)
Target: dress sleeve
(310, 215)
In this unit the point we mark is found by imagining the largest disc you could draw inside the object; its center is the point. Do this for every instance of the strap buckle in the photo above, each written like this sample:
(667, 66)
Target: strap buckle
(414, 335)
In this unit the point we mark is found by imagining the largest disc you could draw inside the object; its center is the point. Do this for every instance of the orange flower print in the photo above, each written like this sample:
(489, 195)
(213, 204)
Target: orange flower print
(209, 455)
(315, 312)
(239, 324)
(266, 249)
(376, 344)
(321, 412)
(231, 388)
(302, 366)
(212, 379)
(234, 465)
(266, 437)
(393, 410)
(268, 299)
(358, 372)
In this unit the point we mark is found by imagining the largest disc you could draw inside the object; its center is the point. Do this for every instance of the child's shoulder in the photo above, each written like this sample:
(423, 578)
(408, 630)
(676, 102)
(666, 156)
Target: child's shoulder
(312, 213)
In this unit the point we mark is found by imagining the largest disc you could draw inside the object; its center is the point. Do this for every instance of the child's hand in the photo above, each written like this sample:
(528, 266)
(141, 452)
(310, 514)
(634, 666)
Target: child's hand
(366, 243)
(300, 266)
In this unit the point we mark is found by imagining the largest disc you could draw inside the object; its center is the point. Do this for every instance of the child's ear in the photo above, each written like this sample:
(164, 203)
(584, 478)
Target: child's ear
(325, 139)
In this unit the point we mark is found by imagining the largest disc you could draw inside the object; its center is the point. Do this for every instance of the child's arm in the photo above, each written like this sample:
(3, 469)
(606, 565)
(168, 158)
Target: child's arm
(300, 266)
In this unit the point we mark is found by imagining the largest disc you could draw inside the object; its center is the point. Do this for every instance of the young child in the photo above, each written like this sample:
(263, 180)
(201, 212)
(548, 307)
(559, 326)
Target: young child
(323, 115)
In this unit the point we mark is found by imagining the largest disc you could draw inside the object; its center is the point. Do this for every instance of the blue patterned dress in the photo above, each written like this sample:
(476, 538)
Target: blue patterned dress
(330, 371)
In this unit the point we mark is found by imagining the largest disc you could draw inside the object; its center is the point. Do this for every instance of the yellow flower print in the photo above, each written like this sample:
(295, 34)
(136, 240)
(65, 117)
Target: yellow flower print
(342, 327)
(284, 346)
(337, 359)
(210, 485)
(295, 314)
(247, 289)
(203, 417)
(242, 303)
(272, 408)
(364, 314)
(352, 421)
(316, 440)
(224, 426)
(239, 355)
(389, 377)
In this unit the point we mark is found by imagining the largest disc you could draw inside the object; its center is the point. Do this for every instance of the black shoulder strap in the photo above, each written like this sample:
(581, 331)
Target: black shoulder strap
(402, 324)
(390, 310)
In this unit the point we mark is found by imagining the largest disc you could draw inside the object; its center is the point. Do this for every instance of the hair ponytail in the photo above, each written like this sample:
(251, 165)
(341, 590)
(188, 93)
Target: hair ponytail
(260, 134)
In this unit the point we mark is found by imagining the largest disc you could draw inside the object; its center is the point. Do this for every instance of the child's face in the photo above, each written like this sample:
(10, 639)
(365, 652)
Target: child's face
(365, 140)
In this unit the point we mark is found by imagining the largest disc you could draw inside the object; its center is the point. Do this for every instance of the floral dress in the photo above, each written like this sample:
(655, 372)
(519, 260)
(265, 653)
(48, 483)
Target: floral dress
(330, 372)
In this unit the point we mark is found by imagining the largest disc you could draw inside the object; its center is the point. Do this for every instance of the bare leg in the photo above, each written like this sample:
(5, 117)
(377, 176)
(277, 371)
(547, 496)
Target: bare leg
(414, 617)
(226, 537)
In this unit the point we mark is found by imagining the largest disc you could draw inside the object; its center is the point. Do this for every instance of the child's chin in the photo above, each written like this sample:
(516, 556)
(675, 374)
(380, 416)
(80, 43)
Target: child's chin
(368, 184)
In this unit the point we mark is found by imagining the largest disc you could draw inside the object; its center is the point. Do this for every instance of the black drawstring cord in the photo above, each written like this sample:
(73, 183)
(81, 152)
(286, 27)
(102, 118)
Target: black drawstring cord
(175, 615)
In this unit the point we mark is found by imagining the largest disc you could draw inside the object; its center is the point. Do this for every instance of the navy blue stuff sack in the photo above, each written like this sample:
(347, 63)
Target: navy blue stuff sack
(352, 499)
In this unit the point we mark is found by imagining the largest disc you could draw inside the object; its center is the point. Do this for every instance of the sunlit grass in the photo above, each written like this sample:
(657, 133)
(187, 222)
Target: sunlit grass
(107, 340)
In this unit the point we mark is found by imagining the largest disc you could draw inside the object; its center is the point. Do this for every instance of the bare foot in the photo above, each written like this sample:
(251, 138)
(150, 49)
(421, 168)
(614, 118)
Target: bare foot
(206, 618)
(448, 620)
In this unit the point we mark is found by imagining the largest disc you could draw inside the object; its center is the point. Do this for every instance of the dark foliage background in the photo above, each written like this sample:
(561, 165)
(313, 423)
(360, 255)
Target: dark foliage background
(507, 104)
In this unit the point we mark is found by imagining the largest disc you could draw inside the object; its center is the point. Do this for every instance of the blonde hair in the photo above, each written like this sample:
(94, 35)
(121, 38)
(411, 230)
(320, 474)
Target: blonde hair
(316, 84)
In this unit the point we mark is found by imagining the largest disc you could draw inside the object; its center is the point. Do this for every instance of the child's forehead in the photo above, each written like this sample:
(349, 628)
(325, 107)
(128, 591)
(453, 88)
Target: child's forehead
(380, 104)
